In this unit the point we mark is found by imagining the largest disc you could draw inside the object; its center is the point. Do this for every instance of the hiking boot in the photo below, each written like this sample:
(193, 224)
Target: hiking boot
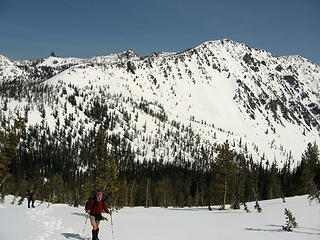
(94, 234)
(97, 232)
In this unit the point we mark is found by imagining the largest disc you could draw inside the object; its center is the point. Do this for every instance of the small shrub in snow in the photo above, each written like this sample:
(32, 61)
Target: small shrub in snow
(290, 221)
(14, 200)
(257, 206)
(315, 195)
(20, 202)
(246, 207)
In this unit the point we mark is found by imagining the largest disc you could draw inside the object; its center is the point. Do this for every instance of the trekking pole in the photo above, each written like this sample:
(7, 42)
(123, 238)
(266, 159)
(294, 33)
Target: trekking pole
(112, 227)
(84, 227)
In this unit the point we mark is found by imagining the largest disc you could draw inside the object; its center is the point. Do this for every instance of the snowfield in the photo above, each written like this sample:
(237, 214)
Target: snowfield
(61, 221)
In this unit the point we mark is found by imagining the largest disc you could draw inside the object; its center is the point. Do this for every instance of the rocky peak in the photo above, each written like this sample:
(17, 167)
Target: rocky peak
(52, 54)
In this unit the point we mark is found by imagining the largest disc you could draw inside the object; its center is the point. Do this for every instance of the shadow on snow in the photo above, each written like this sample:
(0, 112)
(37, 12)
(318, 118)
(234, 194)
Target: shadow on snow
(74, 236)
(281, 230)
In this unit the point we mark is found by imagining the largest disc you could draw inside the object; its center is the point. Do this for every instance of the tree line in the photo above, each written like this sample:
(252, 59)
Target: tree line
(67, 171)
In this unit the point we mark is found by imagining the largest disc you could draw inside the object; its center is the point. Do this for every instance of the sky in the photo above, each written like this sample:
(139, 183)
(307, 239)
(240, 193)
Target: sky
(84, 28)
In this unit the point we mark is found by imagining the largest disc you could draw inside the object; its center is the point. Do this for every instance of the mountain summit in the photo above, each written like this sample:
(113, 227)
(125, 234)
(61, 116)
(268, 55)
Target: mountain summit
(52, 54)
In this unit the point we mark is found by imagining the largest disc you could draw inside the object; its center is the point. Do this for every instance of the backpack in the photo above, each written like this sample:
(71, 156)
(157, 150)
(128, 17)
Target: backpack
(105, 197)
(93, 197)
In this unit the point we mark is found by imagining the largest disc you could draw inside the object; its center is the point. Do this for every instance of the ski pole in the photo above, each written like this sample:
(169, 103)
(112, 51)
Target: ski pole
(84, 227)
(112, 227)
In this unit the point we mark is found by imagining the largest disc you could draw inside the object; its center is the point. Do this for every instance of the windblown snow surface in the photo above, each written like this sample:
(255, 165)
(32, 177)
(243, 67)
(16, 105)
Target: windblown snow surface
(60, 221)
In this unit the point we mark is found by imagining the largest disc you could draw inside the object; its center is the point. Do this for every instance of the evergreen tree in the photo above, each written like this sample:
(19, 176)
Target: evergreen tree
(246, 207)
(55, 188)
(310, 167)
(9, 140)
(286, 179)
(226, 169)
(257, 207)
(238, 195)
(163, 193)
(314, 193)
(290, 221)
(106, 174)
(273, 186)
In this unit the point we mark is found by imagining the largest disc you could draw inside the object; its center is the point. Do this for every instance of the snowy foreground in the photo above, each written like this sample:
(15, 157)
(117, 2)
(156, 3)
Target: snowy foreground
(60, 221)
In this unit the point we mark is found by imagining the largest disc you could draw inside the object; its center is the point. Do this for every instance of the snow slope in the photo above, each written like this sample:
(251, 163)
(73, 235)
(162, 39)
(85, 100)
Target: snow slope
(268, 107)
(60, 221)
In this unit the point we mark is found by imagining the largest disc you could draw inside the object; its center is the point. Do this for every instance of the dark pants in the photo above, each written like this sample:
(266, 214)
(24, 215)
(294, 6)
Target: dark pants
(30, 200)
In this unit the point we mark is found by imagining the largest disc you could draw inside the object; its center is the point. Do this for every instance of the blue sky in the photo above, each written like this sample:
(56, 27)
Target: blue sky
(84, 28)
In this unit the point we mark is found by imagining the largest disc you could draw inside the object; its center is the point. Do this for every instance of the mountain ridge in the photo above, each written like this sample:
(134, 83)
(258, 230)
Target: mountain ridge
(222, 90)
(131, 51)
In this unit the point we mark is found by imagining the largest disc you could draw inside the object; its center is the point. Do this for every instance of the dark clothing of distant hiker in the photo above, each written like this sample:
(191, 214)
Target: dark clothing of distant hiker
(30, 197)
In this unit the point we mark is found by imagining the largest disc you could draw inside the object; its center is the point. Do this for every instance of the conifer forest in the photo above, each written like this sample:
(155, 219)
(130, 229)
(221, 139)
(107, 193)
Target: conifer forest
(67, 173)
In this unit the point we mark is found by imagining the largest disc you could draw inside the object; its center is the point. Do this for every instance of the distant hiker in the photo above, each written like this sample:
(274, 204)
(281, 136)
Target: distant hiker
(94, 208)
(30, 197)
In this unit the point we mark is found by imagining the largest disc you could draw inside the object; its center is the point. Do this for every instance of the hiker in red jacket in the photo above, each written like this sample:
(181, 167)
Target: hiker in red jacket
(94, 208)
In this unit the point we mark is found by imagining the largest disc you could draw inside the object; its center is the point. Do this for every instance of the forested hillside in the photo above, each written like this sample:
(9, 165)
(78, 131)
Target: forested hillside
(218, 123)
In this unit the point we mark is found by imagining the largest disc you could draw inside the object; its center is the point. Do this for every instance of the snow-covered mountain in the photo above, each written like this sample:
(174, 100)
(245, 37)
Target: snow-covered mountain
(166, 104)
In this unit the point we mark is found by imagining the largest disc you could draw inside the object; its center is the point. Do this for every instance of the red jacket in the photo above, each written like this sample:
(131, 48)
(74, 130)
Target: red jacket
(96, 207)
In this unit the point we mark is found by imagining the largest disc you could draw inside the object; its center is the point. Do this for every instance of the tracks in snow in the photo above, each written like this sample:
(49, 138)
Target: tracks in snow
(55, 228)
